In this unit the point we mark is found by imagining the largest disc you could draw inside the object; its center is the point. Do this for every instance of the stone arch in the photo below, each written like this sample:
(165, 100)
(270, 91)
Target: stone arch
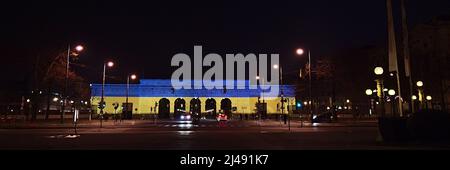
(164, 108)
(179, 107)
(225, 106)
(210, 104)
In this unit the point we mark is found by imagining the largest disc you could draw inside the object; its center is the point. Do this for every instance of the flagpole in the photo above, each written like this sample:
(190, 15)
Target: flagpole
(393, 65)
(406, 54)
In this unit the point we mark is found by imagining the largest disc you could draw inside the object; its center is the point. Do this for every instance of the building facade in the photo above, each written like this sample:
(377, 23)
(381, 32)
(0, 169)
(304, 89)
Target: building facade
(157, 96)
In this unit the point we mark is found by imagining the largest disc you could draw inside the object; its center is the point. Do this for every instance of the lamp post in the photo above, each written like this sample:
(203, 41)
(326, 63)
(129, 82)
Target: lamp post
(429, 98)
(300, 52)
(262, 80)
(280, 72)
(413, 100)
(391, 93)
(132, 77)
(369, 93)
(380, 89)
(259, 104)
(419, 85)
(78, 48)
(102, 100)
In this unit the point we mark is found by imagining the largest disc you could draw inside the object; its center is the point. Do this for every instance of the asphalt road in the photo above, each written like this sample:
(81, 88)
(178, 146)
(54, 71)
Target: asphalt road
(208, 135)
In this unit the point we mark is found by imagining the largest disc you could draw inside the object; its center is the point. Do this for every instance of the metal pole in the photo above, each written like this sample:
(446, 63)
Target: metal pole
(380, 94)
(406, 55)
(400, 104)
(310, 86)
(282, 98)
(65, 84)
(421, 98)
(126, 100)
(102, 100)
(264, 106)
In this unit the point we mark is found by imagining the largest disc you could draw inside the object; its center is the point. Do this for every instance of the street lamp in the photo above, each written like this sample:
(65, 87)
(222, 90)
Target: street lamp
(78, 48)
(419, 83)
(262, 80)
(132, 77)
(378, 71)
(429, 98)
(277, 67)
(300, 52)
(391, 92)
(369, 92)
(421, 95)
(380, 89)
(102, 100)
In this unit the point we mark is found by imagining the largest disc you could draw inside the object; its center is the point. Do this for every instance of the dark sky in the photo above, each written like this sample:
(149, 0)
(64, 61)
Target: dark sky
(142, 36)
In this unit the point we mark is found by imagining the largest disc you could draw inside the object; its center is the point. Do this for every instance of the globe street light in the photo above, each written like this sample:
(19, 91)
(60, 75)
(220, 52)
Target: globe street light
(380, 89)
(429, 98)
(419, 83)
(413, 100)
(369, 92)
(378, 70)
(391, 92)
(420, 93)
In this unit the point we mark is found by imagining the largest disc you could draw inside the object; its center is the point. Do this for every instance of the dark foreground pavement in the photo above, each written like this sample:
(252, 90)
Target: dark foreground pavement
(208, 135)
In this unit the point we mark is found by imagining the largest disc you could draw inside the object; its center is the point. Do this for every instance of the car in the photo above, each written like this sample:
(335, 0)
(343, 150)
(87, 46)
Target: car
(324, 117)
(222, 117)
(186, 117)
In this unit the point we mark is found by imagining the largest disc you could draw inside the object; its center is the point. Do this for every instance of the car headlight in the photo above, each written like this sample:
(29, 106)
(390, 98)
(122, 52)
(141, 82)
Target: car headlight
(182, 117)
(315, 116)
(188, 117)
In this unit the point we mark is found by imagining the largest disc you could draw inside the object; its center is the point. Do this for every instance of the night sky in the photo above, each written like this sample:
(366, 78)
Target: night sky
(143, 36)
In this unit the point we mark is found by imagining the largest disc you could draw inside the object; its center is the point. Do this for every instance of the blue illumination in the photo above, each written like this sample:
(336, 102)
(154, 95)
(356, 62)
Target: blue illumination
(163, 88)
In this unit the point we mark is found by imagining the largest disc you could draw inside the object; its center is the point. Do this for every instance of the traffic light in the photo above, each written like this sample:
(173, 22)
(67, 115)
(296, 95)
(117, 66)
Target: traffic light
(298, 105)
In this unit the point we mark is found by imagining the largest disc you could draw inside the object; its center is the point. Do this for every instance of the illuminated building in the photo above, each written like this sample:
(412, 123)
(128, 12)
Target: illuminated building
(157, 96)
